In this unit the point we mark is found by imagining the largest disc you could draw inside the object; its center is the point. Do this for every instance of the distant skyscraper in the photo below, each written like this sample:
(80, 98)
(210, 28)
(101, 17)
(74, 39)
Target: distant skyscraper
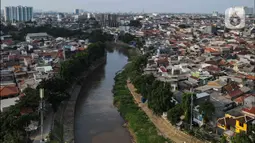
(60, 16)
(18, 13)
(215, 14)
(248, 10)
(2, 12)
(254, 7)
(77, 11)
(111, 20)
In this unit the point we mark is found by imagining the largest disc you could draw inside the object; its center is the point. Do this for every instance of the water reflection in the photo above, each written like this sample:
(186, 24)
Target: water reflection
(96, 119)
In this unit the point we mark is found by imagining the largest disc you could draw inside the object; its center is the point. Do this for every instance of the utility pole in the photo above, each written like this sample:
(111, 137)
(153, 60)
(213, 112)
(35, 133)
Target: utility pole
(191, 108)
(64, 54)
(41, 112)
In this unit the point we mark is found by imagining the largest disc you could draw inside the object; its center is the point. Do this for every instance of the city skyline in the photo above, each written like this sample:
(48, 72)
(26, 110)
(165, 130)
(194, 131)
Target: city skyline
(180, 6)
(18, 13)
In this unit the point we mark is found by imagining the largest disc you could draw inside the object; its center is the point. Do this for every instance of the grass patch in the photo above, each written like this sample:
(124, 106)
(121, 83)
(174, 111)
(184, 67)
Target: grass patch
(138, 122)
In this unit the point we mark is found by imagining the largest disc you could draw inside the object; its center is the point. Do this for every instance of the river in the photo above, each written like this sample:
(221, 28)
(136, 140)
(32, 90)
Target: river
(96, 118)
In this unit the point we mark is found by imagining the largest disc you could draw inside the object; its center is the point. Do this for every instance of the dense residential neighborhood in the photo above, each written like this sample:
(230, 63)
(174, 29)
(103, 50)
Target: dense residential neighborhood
(188, 78)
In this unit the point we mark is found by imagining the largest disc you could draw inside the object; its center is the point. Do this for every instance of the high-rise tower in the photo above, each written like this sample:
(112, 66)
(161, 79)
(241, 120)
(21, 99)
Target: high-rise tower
(19, 13)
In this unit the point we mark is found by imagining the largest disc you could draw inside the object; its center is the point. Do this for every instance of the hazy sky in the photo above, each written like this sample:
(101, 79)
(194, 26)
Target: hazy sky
(187, 6)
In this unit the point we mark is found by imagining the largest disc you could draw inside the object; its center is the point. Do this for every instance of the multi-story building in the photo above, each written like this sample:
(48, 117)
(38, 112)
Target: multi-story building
(111, 20)
(76, 11)
(248, 10)
(19, 13)
(60, 16)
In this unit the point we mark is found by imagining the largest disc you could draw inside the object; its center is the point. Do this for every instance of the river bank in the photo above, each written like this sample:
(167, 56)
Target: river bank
(66, 112)
(163, 125)
(138, 123)
(96, 119)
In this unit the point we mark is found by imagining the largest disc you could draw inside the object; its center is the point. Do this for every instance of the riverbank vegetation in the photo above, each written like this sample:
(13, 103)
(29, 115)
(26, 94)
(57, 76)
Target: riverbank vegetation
(158, 93)
(16, 119)
(159, 97)
(140, 125)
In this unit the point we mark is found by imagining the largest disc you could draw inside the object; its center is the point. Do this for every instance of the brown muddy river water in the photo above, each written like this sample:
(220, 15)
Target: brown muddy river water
(96, 119)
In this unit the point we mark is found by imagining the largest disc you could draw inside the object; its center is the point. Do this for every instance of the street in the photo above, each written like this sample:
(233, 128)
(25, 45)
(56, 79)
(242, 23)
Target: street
(36, 136)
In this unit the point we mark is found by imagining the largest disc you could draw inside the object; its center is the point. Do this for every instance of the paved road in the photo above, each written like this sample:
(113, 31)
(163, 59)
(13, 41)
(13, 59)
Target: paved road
(164, 126)
(46, 127)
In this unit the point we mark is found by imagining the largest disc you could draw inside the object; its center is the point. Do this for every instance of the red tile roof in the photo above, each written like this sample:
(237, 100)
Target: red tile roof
(163, 60)
(235, 93)
(8, 42)
(211, 50)
(26, 110)
(250, 77)
(213, 68)
(249, 110)
(241, 99)
(163, 69)
(8, 90)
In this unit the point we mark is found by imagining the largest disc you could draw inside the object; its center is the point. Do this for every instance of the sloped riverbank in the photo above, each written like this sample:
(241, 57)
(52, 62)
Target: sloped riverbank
(66, 112)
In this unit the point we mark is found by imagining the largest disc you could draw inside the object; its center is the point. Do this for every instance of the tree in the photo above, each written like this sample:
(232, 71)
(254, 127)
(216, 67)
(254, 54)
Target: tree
(12, 126)
(251, 131)
(223, 139)
(160, 99)
(126, 38)
(55, 91)
(31, 98)
(186, 101)
(15, 136)
(174, 114)
(143, 84)
(98, 36)
(135, 23)
(241, 138)
(207, 109)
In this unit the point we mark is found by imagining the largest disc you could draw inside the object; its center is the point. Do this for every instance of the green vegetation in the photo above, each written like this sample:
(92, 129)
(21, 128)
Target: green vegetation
(174, 114)
(56, 135)
(158, 93)
(241, 138)
(207, 109)
(223, 139)
(183, 108)
(19, 34)
(251, 131)
(138, 122)
(128, 38)
(160, 98)
(186, 101)
(135, 23)
(56, 87)
(13, 123)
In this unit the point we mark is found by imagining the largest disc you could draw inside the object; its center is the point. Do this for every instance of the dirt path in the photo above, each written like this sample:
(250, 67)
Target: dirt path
(164, 126)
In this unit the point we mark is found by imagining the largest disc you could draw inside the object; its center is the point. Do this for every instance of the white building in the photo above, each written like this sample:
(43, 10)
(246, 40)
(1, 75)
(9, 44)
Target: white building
(77, 11)
(36, 36)
(215, 14)
(18, 13)
(60, 16)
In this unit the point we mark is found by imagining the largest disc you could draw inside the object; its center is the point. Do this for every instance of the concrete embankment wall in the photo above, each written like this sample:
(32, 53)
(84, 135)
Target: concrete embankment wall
(69, 111)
